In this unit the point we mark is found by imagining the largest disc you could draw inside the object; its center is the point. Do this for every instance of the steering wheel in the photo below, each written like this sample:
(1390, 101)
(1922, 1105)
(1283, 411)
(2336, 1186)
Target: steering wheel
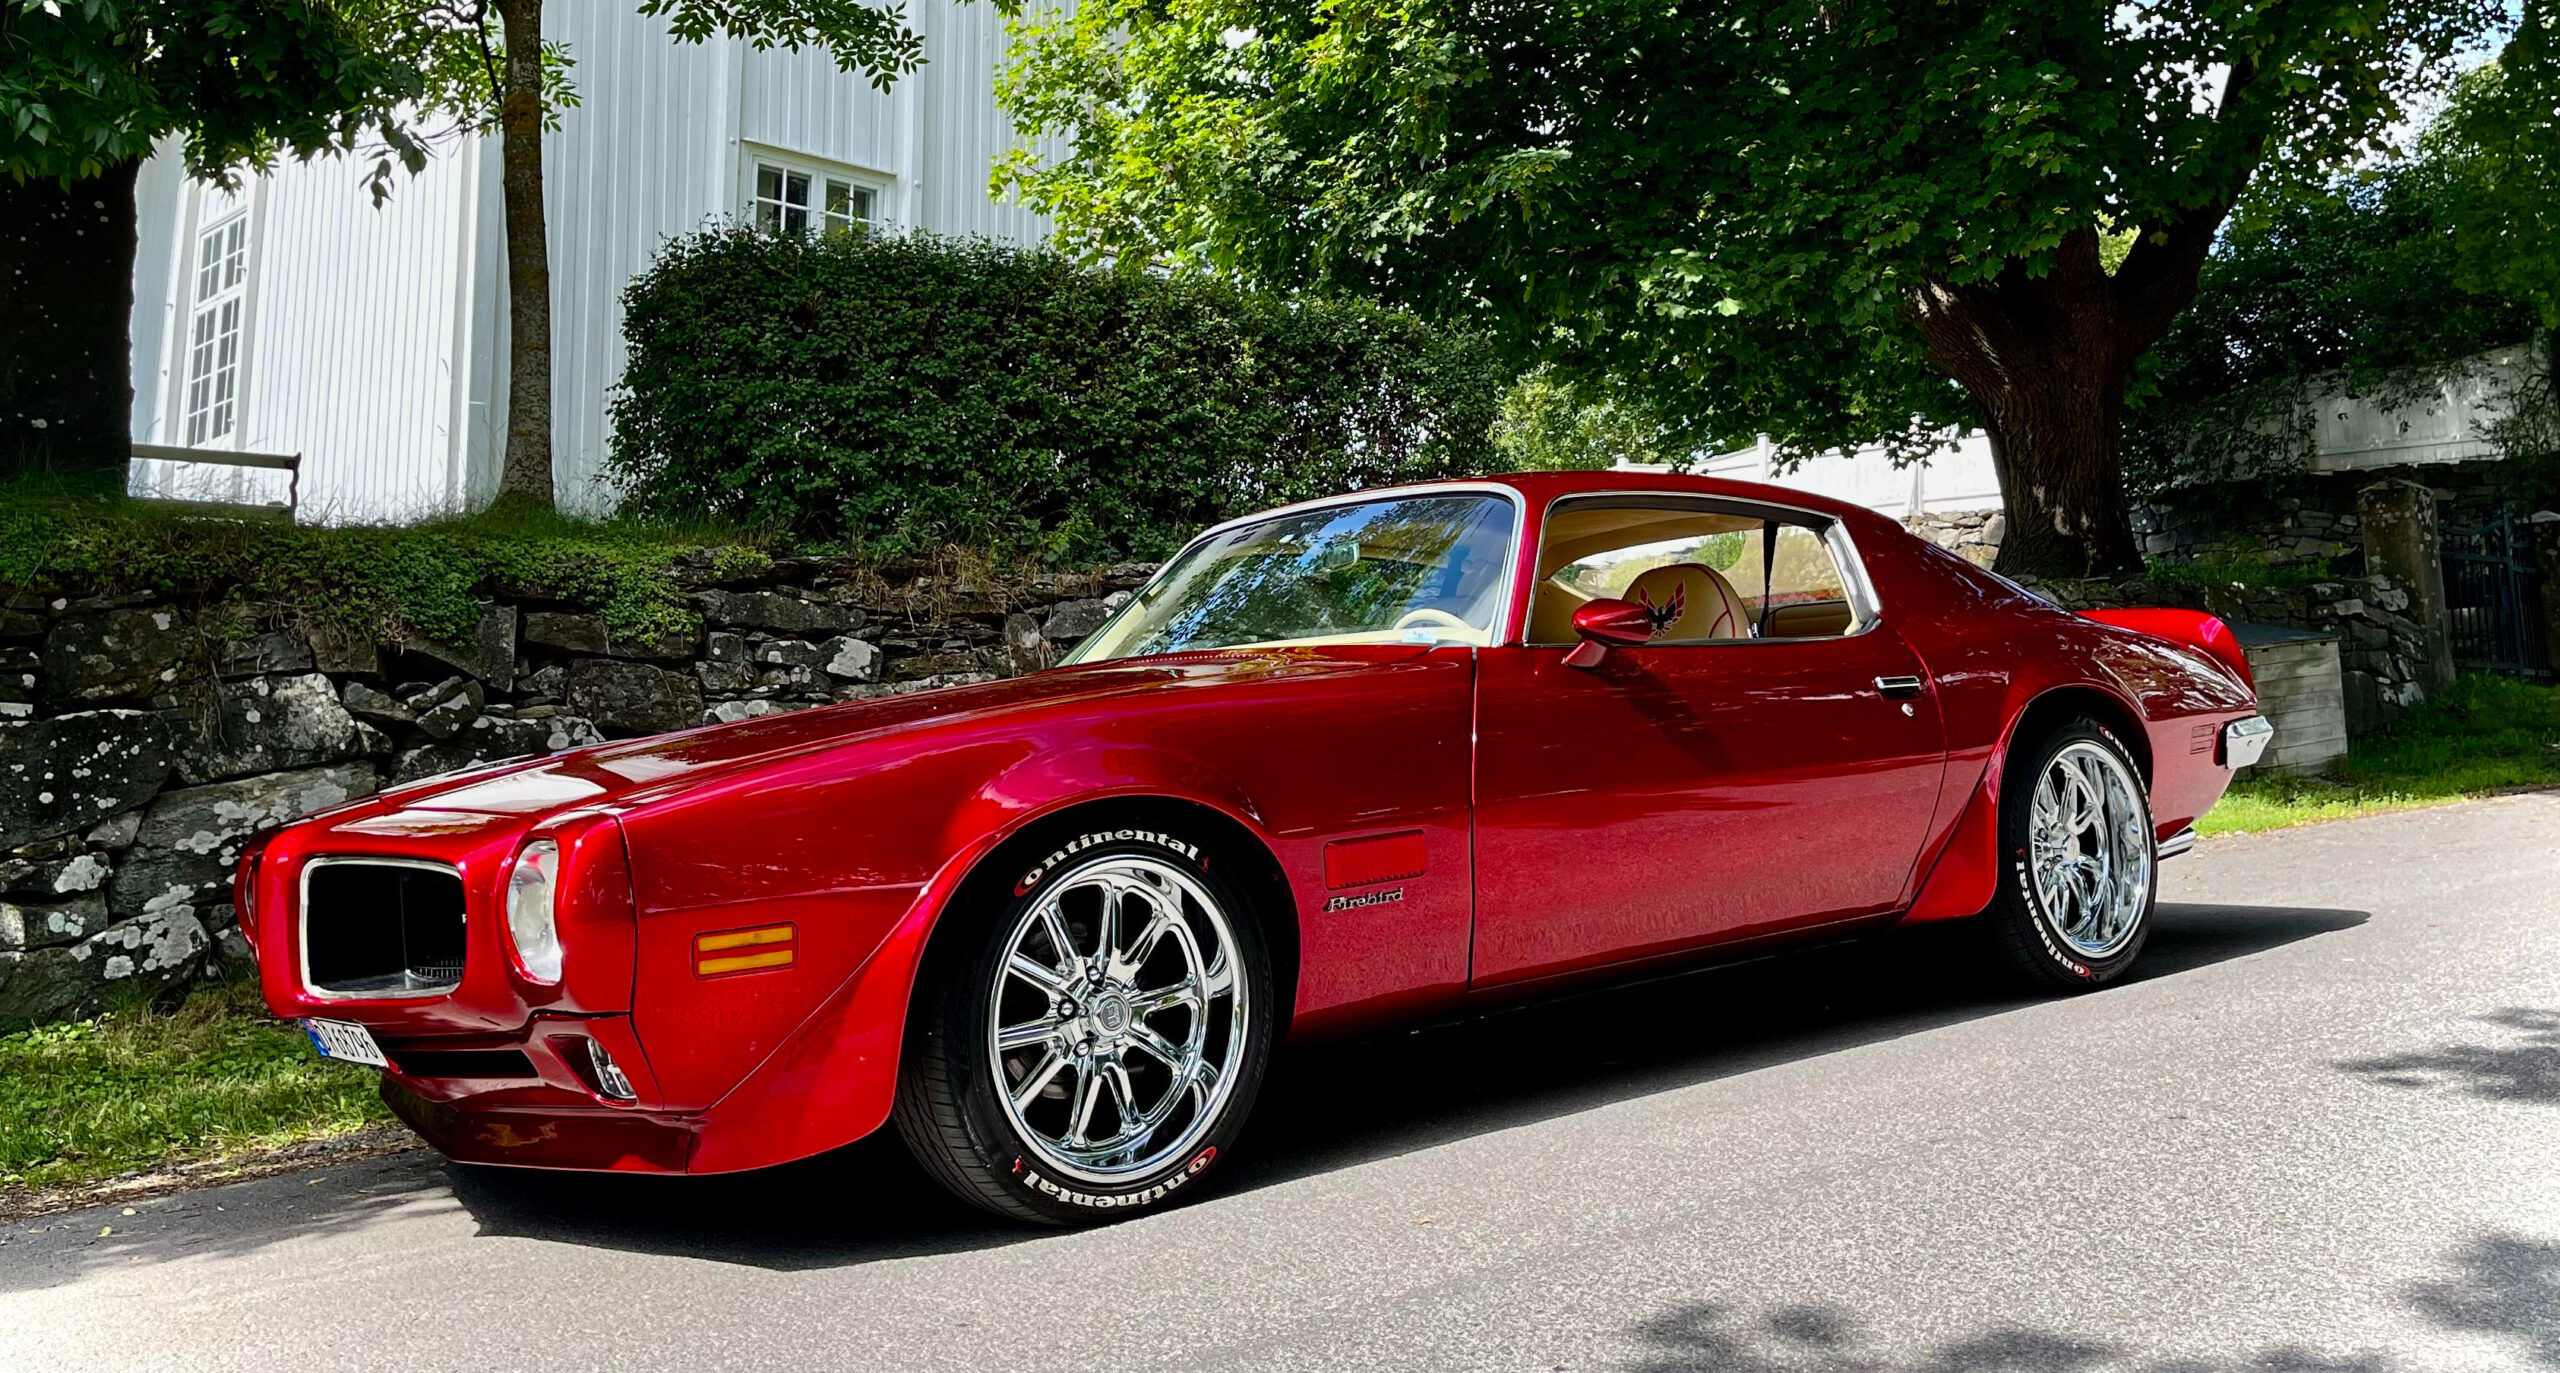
(1426, 615)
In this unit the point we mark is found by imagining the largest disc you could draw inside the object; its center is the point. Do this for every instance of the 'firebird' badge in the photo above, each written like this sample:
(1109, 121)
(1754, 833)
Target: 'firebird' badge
(1667, 614)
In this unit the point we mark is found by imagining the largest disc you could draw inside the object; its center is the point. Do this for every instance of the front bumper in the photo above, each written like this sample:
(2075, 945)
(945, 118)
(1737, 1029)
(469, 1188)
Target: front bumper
(542, 1135)
(534, 1099)
(2245, 741)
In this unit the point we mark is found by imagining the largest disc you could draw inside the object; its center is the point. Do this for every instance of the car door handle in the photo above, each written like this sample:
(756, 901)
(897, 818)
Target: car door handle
(1898, 688)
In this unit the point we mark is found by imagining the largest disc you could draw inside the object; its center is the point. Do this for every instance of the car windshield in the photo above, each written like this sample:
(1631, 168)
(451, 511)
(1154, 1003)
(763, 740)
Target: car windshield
(1423, 569)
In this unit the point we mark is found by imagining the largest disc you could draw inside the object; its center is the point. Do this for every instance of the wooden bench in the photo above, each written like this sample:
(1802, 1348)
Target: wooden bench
(221, 457)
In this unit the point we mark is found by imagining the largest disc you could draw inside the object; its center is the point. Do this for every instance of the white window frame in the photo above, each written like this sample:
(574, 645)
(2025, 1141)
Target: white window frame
(762, 207)
(212, 347)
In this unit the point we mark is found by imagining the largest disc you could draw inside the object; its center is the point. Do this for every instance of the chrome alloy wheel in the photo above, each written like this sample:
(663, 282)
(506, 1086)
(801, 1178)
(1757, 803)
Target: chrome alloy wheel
(1118, 1022)
(2091, 853)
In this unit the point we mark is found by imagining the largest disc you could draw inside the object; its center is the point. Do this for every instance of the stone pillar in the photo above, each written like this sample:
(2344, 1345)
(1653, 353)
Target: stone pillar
(2401, 539)
(2545, 525)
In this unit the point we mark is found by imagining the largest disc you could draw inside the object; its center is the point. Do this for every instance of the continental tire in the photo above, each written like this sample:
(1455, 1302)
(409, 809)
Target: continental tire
(1097, 1042)
(2079, 861)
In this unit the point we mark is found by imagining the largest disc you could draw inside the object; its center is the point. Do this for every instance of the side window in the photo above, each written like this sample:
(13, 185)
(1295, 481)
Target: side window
(1705, 571)
(1802, 595)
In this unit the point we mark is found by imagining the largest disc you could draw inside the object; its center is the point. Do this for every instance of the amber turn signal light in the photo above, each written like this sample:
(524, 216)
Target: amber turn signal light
(745, 951)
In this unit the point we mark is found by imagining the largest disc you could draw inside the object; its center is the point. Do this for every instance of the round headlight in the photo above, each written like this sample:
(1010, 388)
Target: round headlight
(532, 926)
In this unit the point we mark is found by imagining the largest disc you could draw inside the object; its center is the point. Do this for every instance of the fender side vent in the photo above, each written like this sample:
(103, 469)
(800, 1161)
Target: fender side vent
(1368, 862)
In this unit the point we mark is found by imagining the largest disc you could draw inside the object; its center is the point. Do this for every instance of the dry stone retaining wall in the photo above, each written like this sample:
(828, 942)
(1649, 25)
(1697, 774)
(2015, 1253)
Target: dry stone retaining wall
(145, 740)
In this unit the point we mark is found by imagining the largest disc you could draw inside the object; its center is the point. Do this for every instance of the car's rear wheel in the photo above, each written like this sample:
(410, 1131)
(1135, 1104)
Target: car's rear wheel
(1099, 1040)
(2080, 864)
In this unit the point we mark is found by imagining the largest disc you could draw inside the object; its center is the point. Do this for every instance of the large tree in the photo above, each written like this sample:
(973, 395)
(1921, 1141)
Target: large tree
(86, 88)
(1834, 221)
(488, 68)
(2380, 283)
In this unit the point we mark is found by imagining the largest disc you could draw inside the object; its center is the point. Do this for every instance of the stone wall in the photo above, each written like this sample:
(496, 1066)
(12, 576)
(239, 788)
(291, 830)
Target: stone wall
(2383, 648)
(2314, 540)
(145, 740)
(1973, 535)
(2314, 517)
(2310, 518)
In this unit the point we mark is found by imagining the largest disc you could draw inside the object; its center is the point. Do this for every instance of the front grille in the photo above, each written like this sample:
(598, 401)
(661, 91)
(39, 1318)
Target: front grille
(375, 927)
(480, 1063)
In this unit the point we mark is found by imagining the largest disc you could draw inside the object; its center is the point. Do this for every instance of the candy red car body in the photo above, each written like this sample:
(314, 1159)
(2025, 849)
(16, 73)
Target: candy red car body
(741, 912)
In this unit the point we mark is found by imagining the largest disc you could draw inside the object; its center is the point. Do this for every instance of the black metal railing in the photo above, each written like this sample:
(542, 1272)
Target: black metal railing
(2493, 596)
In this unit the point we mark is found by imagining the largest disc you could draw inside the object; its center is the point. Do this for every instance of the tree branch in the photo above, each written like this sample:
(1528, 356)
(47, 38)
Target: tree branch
(488, 56)
(2157, 279)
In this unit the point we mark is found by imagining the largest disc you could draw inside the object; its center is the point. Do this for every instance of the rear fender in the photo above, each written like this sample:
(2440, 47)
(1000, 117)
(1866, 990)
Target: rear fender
(2191, 627)
(1966, 874)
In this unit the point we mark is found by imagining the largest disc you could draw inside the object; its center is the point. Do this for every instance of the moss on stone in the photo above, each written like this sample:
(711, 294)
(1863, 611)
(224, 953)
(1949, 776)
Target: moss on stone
(425, 580)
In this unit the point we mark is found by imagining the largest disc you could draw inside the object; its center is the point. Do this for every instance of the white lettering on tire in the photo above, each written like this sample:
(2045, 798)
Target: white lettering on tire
(1082, 842)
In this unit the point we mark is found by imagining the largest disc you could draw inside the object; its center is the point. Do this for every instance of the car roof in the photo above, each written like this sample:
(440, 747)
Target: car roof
(1541, 488)
(1537, 490)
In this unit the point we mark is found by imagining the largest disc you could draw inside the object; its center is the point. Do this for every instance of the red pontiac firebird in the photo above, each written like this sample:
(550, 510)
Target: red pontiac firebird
(1353, 762)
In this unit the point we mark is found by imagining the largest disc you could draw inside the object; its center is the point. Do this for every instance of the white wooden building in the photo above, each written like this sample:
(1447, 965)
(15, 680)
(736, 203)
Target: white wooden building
(296, 318)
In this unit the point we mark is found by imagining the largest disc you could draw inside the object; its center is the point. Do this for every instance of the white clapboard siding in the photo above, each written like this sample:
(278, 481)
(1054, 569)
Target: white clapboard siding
(634, 165)
(357, 321)
(2449, 424)
(963, 132)
(799, 102)
(376, 345)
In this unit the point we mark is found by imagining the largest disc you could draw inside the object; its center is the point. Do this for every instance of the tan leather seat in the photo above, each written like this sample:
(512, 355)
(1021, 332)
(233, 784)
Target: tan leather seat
(1812, 620)
(1691, 604)
(1551, 614)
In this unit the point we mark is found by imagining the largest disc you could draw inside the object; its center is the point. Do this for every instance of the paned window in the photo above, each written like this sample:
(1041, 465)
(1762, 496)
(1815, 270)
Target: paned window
(796, 199)
(213, 331)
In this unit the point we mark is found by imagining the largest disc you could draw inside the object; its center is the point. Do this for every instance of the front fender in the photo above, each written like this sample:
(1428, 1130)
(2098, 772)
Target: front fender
(858, 851)
(835, 1078)
(1052, 780)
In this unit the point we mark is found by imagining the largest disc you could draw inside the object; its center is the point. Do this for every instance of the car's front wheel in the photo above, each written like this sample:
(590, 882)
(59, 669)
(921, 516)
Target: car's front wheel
(2080, 862)
(1099, 1040)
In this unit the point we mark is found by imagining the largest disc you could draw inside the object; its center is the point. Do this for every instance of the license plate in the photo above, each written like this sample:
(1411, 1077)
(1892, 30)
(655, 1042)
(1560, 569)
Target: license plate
(345, 1039)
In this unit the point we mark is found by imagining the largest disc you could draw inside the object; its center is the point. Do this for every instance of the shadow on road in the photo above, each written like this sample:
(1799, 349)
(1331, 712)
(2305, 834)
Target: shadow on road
(1326, 1107)
(859, 1204)
(1329, 1106)
(2503, 1286)
(1336, 1105)
(2525, 1067)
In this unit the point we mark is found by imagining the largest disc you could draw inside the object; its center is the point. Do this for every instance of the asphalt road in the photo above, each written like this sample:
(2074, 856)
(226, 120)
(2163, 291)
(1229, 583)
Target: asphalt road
(2321, 1133)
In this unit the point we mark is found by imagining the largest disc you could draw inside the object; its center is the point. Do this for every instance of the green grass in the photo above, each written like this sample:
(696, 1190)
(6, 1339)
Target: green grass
(423, 578)
(216, 1079)
(2488, 734)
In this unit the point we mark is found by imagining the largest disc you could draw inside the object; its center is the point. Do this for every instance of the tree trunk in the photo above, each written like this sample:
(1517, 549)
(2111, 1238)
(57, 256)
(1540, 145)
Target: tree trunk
(2047, 357)
(66, 315)
(2054, 434)
(524, 478)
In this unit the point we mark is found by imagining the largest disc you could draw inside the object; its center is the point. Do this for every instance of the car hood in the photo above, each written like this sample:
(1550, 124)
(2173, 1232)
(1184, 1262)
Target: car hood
(638, 771)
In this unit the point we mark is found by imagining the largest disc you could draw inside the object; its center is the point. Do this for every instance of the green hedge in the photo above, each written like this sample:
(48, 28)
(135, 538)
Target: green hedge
(899, 392)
